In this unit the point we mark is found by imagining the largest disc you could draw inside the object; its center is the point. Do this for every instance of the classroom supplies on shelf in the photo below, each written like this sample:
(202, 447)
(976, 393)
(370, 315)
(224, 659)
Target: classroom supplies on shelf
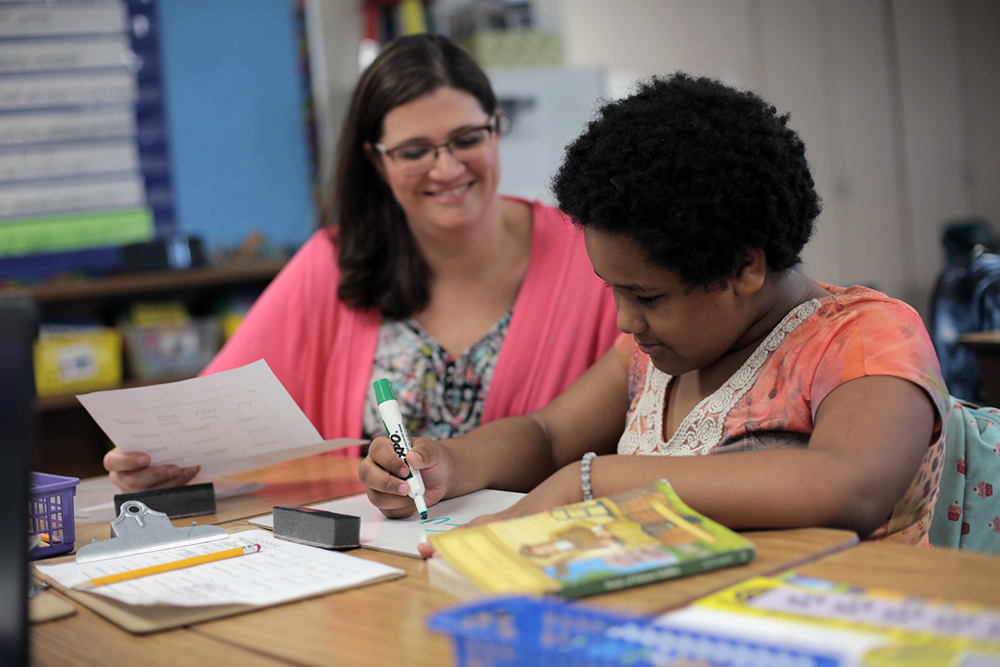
(281, 572)
(77, 358)
(527, 632)
(171, 350)
(402, 536)
(605, 544)
(52, 531)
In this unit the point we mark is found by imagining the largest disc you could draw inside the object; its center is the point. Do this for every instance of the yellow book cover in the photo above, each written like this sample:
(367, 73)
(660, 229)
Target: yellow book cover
(870, 627)
(599, 545)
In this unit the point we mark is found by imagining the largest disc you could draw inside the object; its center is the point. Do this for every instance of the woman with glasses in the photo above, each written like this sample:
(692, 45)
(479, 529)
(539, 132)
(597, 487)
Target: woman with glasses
(473, 305)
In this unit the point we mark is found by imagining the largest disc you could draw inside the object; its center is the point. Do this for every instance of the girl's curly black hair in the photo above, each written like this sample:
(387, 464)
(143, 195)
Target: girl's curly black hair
(696, 172)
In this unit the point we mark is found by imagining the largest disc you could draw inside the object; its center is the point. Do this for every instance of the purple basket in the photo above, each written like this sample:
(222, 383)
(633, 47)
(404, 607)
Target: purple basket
(52, 514)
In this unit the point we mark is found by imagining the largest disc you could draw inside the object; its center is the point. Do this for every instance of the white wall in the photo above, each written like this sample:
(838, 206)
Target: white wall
(334, 31)
(898, 102)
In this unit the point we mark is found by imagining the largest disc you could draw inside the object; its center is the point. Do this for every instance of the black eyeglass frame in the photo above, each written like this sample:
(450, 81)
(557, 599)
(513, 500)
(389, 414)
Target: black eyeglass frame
(493, 126)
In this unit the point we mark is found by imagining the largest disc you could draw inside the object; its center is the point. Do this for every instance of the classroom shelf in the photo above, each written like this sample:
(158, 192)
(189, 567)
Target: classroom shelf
(134, 284)
(69, 442)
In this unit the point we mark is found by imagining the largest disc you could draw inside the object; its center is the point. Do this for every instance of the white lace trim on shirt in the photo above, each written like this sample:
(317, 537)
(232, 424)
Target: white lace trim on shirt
(701, 429)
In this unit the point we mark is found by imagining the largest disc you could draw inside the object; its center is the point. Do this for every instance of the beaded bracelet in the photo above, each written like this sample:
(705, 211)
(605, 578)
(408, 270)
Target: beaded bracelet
(588, 490)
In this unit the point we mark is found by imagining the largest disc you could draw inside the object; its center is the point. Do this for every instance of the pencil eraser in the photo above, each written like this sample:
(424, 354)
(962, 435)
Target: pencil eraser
(317, 528)
(177, 503)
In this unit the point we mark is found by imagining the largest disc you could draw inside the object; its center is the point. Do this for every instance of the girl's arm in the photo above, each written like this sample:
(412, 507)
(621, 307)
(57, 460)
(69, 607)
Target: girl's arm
(870, 437)
(515, 453)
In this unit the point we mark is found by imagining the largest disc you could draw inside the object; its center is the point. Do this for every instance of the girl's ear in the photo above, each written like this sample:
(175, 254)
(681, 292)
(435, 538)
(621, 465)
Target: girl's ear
(376, 159)
(751, 276)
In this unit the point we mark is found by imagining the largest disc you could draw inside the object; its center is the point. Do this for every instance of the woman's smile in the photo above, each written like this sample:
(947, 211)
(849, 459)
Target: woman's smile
(451, 193)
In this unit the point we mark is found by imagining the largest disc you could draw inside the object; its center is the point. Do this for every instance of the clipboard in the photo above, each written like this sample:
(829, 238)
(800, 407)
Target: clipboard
(144, 619)
(155, 618)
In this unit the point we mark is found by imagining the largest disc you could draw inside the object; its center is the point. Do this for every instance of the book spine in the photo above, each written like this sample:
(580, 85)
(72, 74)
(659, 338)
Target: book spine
(617, 583)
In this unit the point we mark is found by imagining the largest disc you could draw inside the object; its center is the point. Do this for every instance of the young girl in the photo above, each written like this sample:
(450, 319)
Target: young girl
(768, 400)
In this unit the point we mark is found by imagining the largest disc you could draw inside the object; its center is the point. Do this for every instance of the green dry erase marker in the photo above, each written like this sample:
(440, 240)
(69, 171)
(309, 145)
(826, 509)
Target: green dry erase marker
(388, 407)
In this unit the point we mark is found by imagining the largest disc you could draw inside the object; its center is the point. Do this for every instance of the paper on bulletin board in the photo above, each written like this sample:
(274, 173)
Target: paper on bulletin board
(227, 423)
(54, 233)
(403, 535)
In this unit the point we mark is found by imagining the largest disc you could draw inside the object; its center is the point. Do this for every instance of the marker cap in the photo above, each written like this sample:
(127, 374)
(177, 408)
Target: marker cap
(383, 391)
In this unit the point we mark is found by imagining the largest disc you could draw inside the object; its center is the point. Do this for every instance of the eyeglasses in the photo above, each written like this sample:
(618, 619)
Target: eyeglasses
(418, 157)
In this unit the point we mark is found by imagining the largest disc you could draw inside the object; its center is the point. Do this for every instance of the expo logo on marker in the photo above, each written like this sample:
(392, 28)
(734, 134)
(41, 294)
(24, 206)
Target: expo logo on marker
(397, 445)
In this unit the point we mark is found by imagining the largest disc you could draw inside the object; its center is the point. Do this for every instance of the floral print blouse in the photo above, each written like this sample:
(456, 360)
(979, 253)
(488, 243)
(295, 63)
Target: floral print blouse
(440, 396)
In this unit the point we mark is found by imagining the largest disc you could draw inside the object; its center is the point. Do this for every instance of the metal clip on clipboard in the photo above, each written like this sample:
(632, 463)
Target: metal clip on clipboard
(139, 529)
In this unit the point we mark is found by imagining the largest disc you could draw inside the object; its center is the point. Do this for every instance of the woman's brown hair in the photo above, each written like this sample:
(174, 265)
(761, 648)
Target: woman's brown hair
(380, 264)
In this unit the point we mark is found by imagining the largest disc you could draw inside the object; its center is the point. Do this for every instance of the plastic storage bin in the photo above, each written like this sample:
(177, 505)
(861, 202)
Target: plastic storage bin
(52, 514)
(77, 360)
(550, 632)
(165, 351)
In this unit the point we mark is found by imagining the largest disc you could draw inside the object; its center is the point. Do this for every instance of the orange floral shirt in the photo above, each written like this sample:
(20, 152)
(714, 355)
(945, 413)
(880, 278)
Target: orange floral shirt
(771, 401)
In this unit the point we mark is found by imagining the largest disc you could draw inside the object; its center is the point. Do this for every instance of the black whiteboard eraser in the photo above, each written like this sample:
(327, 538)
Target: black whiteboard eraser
(176, 503)
(317, 528)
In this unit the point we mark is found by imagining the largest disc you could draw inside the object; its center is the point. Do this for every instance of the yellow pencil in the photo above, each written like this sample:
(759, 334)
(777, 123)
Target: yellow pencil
(167, 567)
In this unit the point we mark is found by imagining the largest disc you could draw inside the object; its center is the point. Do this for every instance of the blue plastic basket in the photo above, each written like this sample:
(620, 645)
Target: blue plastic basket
(52, 514)
(551, 632)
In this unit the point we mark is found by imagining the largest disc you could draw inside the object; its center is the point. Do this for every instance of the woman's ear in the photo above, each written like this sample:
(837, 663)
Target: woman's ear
(376, 159)
(751, 277)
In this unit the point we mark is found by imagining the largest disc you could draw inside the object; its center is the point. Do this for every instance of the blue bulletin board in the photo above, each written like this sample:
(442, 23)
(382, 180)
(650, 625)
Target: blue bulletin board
(84, 164)
(122, 120)
(236, 94)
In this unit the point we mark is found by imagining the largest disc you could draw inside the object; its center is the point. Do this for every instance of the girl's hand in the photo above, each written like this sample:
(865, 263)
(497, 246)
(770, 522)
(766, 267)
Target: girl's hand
(131, 472)
(561, 488)
(384, 473)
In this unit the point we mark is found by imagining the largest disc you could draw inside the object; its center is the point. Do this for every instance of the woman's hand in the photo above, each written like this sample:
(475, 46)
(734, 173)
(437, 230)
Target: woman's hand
(131, 472)
(384, 473)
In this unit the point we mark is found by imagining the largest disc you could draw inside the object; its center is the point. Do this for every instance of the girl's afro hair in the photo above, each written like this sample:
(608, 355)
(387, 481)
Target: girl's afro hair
(697, 173)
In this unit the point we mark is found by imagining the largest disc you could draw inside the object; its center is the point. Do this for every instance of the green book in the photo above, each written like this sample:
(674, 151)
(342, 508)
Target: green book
(600, 545)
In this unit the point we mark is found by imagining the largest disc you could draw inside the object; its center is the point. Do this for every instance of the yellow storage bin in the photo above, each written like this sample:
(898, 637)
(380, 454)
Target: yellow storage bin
(78, 360)
(230, 323)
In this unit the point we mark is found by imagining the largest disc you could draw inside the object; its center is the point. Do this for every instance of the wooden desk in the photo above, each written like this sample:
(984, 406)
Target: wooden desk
(352, 627)
(382, 624)
(88, 639)
(927, 573)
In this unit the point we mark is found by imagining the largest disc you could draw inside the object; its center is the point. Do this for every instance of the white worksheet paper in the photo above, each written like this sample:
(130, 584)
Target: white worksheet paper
(281, 571)
(227, 422)
(403, 535)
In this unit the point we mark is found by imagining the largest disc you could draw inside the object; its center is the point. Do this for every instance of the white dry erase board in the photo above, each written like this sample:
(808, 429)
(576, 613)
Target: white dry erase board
(403, 535)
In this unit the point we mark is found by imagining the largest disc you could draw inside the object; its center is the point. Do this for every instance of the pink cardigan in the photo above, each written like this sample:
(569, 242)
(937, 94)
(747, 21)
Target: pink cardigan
(322, 351)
